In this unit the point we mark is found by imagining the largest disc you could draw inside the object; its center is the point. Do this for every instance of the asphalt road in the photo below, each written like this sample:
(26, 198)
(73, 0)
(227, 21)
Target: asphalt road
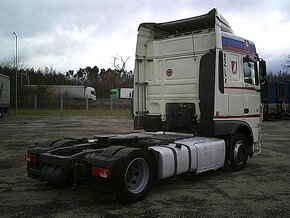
(262, 189)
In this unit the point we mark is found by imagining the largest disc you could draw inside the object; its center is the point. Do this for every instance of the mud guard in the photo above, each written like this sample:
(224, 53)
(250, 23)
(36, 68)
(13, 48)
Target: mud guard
(119, 159)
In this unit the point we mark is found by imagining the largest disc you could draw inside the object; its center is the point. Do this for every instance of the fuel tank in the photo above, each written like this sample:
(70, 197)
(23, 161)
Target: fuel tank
(196, 155)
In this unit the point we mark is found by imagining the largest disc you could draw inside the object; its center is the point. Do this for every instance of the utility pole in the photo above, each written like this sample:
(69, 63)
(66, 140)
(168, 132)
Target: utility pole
(15, 73)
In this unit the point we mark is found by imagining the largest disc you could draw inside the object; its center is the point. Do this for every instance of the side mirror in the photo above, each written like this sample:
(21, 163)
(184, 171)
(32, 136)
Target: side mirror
(262, 68)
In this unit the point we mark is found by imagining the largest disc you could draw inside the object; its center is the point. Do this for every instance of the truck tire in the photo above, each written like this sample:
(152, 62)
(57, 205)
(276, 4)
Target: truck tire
(136, 177)
(111, 150)
(238, 152)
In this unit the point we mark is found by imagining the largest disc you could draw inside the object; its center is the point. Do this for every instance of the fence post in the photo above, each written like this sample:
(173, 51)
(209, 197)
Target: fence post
(35, 104)
(111, 102)
(87, 105)
(61, 106)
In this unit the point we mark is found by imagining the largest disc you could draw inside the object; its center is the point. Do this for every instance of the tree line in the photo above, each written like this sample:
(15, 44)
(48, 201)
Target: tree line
(281, 75)
(103, 80)
(278, 76)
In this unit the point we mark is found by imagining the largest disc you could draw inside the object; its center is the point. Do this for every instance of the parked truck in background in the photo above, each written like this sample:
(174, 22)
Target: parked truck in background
(122, 93)
(276, 99)
(197, 99)
(4, 94)
(76, 92)
(69, 91)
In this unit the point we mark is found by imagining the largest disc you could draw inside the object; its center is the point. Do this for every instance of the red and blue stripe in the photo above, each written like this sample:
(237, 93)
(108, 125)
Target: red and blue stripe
(238, 46)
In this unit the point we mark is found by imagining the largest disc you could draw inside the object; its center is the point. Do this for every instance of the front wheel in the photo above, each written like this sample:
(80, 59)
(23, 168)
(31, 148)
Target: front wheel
(238, 152)
(136, 177)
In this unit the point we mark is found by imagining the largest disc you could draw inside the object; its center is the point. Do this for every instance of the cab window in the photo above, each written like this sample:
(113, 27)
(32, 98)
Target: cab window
(250, 71)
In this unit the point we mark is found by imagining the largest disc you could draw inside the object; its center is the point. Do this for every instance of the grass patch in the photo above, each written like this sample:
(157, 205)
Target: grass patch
(52, 112)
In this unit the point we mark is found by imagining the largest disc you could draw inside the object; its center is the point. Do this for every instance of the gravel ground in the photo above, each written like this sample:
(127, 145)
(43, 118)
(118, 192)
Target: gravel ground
(262, 189)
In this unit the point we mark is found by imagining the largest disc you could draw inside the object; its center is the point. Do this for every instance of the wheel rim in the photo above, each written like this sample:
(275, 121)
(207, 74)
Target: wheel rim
(137, 175)
(240, 152)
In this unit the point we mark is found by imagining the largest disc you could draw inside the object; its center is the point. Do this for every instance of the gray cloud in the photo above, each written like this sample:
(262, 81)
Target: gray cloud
(74, 33)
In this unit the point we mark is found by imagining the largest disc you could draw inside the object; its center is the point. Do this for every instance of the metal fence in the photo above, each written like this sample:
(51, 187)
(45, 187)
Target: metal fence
(38, 103)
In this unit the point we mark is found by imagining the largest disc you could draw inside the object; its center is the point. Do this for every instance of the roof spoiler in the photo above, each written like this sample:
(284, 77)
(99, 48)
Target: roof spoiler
(205, 21)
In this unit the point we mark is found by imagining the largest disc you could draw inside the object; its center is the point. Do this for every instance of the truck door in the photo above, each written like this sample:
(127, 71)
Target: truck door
(234, 84)
(251, 87)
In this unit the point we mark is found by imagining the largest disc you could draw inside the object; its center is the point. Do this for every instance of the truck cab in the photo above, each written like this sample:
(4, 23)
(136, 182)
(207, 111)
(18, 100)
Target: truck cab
(195, 75)
(90, 93)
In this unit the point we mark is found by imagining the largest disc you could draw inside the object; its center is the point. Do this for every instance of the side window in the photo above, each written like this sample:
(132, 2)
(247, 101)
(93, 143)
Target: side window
(250, 71)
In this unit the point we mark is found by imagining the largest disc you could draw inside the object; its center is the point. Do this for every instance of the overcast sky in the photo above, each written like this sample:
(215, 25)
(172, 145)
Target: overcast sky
(69, 34)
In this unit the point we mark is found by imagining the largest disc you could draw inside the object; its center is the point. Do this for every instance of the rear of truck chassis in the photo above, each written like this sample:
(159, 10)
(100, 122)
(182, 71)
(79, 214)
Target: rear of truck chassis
(197, 99)
(123, 166)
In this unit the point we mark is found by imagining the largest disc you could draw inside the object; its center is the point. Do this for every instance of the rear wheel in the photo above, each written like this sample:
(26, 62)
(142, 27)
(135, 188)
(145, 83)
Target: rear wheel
(136, 177)
(239, 152)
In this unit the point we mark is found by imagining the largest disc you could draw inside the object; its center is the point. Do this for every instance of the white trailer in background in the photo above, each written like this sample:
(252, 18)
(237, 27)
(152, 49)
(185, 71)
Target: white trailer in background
(122, 93)
(126, 93)
(4, 94)
(72, 91)
(69, 91)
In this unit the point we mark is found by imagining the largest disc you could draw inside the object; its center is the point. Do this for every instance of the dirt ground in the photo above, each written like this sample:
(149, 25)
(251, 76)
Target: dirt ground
(262, 189)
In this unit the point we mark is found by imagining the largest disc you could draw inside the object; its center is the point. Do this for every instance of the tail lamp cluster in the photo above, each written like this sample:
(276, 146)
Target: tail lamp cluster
(32, 158)
(95, 171)
(101, 172)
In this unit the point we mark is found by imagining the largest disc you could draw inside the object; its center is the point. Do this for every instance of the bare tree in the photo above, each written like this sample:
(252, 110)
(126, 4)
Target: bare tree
(9, 62)
(287, 62)
(119, 63)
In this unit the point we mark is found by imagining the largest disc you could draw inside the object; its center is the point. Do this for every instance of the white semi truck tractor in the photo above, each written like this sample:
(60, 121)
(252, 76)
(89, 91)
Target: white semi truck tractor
(197, 105)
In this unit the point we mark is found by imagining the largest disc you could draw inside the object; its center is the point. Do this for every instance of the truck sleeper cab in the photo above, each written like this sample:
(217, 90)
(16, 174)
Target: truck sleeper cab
(195, 75)
(196, 95)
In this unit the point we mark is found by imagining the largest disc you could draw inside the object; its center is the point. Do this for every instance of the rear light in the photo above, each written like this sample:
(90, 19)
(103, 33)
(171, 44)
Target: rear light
(32, 158)
(101, 172)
